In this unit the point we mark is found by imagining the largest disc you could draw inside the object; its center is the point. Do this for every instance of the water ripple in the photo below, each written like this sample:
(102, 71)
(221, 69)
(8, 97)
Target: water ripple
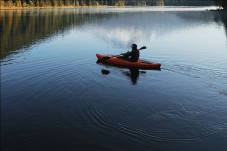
(108, 122)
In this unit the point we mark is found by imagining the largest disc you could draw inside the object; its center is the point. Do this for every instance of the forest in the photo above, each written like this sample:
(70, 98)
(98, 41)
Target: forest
(100, 3)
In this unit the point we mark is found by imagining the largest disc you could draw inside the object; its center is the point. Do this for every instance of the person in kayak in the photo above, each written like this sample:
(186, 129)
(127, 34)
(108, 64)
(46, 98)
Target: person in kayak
(132, 55)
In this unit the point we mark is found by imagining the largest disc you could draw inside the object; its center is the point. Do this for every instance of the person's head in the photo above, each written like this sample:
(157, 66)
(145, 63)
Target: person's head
(134, 46)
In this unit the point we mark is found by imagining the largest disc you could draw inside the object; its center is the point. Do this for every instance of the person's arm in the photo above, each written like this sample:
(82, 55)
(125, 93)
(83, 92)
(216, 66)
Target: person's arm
(127, 54)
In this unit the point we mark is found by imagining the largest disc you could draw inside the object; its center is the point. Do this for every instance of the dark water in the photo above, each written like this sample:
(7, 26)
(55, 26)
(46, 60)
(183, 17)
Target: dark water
(55, 97)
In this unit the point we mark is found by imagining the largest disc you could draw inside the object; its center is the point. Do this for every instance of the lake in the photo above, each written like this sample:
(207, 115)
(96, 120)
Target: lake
(54, 96)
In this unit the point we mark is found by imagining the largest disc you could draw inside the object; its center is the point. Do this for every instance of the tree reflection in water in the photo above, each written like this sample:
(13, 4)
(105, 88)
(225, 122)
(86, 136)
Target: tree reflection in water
(29, 27)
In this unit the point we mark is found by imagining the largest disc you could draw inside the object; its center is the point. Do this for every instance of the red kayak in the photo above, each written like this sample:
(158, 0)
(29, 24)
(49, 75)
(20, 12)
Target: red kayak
(119, 61)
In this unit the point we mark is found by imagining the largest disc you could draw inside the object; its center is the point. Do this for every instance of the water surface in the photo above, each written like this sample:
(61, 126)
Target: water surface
(55, 97)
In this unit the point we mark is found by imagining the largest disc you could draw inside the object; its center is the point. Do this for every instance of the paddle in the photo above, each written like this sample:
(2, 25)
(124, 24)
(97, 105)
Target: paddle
(108, 57)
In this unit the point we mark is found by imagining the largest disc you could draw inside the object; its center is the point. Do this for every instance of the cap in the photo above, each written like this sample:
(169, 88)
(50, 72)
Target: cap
(134, 46)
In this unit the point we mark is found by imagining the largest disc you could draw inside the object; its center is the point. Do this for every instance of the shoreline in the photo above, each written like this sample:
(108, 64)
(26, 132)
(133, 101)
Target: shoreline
(51, 7)
(64, 7)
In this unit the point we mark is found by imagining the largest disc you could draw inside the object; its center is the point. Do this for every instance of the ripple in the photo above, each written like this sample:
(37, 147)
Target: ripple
(211, 78)
(99, 114)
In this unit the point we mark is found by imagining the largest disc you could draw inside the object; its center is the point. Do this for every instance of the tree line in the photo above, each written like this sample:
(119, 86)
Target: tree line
(60, 3)
(55, 3)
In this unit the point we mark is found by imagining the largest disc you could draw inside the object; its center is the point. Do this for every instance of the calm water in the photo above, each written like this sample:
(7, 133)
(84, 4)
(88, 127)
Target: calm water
(55, 97)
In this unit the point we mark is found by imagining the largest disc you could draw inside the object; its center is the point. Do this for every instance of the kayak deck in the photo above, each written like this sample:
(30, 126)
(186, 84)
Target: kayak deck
(119, 61)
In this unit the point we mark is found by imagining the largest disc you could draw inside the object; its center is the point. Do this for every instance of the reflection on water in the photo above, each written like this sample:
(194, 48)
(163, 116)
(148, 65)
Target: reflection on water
(24, 28)
(222, 18)
(133, 74)
(57, 99)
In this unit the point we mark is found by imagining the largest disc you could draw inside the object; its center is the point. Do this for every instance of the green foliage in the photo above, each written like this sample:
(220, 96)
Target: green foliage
(42, 3)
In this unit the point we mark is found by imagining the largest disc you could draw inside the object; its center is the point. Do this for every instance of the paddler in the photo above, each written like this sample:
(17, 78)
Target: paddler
(132, 55)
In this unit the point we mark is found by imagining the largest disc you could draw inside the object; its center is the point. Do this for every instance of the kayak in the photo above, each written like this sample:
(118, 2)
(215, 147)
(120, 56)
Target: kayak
(120, 61)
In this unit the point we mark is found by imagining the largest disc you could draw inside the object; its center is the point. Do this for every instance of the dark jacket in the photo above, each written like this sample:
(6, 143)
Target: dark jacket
(132, 55)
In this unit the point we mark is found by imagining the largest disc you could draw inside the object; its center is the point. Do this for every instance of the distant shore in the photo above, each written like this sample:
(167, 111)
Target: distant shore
(78, 6)
(49, 7)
